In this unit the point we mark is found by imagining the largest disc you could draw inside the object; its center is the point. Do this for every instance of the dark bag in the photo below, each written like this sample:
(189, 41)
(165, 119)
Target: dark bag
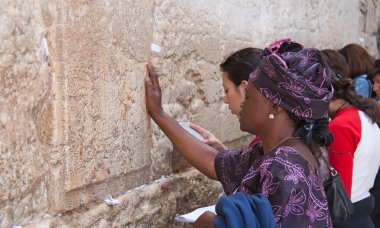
(340, 205)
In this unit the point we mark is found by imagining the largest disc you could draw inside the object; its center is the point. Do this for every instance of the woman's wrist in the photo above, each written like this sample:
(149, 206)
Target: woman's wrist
(155, 115)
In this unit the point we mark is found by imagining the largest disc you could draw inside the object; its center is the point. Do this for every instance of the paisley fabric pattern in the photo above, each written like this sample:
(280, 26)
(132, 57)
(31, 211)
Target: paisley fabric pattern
(295, 78)
(291, 185)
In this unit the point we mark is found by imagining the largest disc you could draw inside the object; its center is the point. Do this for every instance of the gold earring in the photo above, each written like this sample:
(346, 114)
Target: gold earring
(271, 116)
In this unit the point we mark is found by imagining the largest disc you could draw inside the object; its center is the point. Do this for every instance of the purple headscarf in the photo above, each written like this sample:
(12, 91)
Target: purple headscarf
(295, 78)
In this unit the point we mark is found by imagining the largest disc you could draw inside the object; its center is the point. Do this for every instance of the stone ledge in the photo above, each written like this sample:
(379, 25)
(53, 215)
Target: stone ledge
(153, 205)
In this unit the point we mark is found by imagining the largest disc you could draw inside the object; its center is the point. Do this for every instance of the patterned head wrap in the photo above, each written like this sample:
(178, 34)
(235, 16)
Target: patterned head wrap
(295, 78)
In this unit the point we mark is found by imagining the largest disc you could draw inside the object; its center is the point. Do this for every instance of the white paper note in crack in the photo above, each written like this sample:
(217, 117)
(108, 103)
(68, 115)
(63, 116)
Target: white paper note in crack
(155, 47)
(193, 216)
(111, 201)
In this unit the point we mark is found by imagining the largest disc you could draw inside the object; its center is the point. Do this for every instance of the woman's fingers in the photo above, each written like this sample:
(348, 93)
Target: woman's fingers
(148, 87)
(152, 91)
(206, 134)
(152, 75)
(210, 139)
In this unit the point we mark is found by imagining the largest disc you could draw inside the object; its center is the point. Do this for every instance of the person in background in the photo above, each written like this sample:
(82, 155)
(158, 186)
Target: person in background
(375, 78)
(353, 153)
(286, 104)
(235, 69)
(375, 191)
(360, 63)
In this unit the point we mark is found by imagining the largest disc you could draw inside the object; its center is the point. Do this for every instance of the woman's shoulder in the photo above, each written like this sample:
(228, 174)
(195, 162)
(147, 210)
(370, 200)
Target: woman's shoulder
(243, 155)
(286, 156)
(346, 116)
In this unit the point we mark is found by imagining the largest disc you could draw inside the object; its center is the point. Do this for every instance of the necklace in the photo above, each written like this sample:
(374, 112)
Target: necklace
(282, 141)
(340, 107)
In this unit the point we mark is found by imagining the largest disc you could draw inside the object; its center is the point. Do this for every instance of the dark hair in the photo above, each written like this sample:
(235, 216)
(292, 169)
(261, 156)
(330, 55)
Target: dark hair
(241, 63)
(376, 110)
(315, 134)
(358, 59)
(344, 89)
(373, 73)
(376, 70)
(377, 63)
(337, 62)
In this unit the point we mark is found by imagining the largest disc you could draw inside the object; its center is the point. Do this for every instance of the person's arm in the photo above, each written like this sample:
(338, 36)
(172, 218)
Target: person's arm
(210, 139)
(341, 153)
(199, 154)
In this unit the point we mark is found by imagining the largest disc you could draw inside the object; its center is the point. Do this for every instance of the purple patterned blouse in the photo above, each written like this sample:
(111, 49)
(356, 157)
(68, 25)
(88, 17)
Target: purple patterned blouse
(291, 185)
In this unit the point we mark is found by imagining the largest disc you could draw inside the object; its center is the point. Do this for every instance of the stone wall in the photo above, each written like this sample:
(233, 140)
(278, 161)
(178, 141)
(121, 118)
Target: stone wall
(73, 125)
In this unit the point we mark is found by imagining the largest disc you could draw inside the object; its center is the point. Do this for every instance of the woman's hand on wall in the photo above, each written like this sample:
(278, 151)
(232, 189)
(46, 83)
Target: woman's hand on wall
(153, 92)
(201, 156)
(210, 139)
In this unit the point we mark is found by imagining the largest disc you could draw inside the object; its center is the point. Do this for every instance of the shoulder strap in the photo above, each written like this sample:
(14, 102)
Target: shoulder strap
(333, 172)
(370, 87)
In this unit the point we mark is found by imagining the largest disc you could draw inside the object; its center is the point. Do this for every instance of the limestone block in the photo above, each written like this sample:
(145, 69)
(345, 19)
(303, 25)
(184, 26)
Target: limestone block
(24, 94)
(99, 54)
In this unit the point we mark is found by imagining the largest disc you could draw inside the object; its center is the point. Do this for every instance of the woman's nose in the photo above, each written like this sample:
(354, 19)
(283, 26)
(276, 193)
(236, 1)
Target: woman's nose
(376, 87)
(225, 100)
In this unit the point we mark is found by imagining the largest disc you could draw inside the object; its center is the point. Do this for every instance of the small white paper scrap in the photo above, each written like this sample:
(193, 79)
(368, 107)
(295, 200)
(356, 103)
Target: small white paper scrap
(111, 201)
(155, 47)
(16, 226)
(193, 216)
(46, 216)
(45, 47)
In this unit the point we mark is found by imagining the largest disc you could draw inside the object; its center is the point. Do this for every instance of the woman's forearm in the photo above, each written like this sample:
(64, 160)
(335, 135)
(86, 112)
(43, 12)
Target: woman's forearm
(199, 154)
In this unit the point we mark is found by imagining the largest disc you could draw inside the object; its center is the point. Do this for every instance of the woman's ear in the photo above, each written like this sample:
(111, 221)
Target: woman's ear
(276, 109)
(244, 84)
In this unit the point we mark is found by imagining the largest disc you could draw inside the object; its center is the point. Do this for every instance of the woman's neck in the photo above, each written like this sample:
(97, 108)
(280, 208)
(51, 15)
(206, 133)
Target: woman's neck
(276, 139)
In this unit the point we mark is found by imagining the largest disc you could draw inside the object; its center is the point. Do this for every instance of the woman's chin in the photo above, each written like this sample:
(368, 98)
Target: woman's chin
(242, 127)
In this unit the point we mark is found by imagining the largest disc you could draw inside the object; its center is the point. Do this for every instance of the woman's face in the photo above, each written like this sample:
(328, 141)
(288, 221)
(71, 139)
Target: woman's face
(255, 110)
(234, 95)
(376, 85)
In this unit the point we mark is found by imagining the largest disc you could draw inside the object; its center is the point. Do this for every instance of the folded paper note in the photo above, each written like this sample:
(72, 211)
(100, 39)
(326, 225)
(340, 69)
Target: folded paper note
(111, 201)
(155, 47)
(186, 126)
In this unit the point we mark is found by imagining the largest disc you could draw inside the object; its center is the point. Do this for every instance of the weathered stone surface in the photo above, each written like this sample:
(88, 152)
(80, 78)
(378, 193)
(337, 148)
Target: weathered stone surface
(104, 126)
(73, 126)
(154, 205)
(25, 88)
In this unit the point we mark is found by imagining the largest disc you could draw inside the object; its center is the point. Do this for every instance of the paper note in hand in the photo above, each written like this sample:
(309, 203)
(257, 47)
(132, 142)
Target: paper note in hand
(186, 126)
(192, 216)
